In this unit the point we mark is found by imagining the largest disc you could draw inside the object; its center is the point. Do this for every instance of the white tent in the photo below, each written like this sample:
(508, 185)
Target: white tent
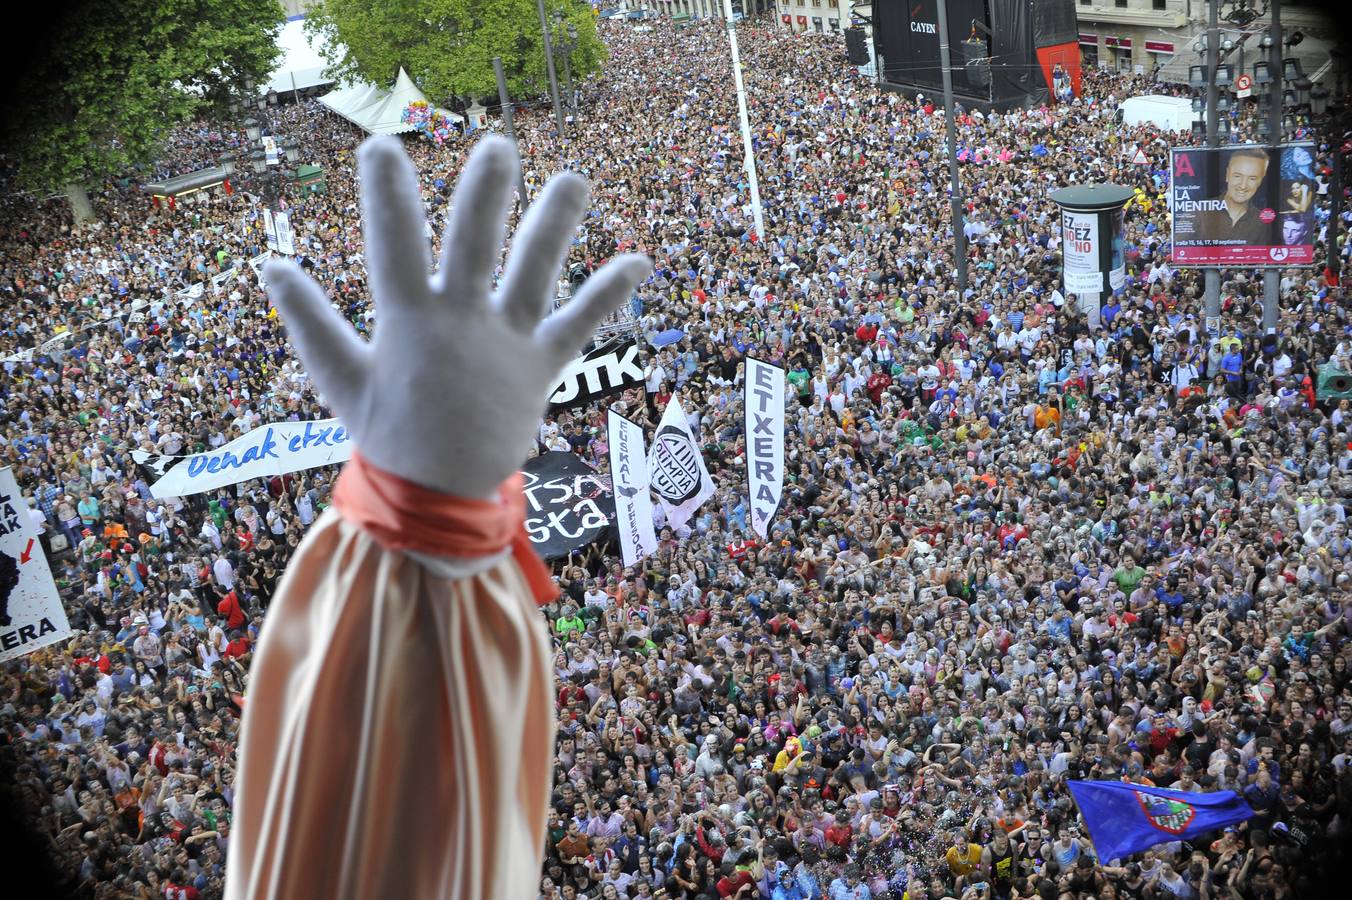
(375, 110)
(301, 66)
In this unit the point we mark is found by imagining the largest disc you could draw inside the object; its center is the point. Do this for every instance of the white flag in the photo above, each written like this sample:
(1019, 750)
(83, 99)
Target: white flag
(764, 403)
(285, 243)
(629, 478)
(676, 467)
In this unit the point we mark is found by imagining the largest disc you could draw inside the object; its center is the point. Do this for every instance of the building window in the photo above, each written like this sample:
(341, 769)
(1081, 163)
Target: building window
(834, 4)
(1159, 4)
(1119, 2)
(1084, 2)
(816, 3)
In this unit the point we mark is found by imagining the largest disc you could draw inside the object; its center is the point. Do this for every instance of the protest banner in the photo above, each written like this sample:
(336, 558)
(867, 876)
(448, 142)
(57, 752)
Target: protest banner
(763, 403)
(629, 479)
(609, 369)
(31, 614)
(264, 452)
(568, 505)
(676, 464)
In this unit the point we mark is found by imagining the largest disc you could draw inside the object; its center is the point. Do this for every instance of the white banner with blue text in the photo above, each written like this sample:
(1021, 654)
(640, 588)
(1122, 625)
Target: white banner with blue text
(267, 451)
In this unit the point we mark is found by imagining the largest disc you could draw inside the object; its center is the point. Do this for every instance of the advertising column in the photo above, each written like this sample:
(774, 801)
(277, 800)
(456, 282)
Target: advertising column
(1092, 257)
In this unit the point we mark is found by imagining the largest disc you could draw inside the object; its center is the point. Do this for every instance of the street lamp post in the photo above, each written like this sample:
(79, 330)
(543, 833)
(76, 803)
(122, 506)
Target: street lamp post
(571, 31)
(1272, 277)
(1212, 297)
(955, 184)
(549, 67)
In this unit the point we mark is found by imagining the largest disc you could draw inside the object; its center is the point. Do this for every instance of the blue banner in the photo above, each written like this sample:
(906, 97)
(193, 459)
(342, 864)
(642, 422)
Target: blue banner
(1127, 818)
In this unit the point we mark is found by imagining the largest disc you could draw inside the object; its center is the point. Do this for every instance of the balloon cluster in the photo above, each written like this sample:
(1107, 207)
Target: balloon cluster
(427, 119)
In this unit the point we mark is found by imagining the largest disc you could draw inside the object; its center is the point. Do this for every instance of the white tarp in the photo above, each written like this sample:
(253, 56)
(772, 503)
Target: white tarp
(31, 614)
(267, 451)
(301, 65)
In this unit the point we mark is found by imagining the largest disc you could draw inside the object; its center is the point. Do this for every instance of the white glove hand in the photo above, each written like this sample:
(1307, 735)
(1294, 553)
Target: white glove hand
(449, 392)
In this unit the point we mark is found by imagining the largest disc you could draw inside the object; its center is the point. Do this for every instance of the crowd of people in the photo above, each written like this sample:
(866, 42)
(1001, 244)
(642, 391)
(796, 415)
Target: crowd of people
(1016, 549)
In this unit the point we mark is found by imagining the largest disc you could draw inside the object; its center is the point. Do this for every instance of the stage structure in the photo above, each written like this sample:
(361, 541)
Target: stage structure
(1005, 51)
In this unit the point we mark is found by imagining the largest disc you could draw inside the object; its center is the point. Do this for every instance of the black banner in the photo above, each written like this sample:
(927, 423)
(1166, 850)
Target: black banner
(907, 35)
(568, 505)
(609, 369)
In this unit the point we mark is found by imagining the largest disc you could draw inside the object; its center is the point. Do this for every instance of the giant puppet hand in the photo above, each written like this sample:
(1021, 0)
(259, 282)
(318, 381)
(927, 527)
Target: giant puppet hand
(450, 391)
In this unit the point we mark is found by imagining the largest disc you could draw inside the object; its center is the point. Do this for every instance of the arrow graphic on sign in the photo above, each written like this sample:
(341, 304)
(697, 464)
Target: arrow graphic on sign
(27, 552)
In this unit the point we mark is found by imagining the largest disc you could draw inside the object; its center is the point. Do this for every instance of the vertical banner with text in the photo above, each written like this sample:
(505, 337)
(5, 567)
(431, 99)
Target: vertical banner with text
(765, 421)
(630, 483)
(270, 229)
(285, 242)
(31, 614)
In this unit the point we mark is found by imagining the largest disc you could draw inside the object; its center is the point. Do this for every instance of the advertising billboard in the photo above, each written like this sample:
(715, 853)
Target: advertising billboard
(1245, 205)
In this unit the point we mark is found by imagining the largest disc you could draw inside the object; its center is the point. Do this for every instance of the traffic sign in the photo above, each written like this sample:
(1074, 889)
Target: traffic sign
(1244, 85)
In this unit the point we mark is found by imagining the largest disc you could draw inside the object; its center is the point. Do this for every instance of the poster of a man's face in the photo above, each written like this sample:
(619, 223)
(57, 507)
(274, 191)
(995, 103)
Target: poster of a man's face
(1243, 205)
(1243, 177)
(1293, 230)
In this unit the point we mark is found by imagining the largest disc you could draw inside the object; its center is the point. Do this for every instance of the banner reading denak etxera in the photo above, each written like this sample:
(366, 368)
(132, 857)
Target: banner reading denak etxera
(764, 403)
(630, 482)
(265, 452)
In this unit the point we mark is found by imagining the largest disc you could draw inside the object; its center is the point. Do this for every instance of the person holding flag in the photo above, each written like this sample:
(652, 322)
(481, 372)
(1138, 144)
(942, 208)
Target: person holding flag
(1125, 818)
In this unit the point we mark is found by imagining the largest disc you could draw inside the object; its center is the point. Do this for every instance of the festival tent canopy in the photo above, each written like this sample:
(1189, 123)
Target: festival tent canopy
(379, 111)
(301, 66)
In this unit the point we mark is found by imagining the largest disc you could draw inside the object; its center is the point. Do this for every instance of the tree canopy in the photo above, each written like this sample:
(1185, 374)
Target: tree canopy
(100, 98)
(447, 46)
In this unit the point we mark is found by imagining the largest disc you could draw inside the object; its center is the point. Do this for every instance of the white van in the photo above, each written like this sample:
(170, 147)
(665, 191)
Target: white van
(1165, 113)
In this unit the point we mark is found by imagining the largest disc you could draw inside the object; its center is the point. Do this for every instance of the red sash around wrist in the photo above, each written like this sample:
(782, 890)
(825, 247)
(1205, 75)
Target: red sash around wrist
(401, 515)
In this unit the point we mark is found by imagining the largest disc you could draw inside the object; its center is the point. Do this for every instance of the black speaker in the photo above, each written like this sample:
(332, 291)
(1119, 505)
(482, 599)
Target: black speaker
(856, 48)
(976, 62)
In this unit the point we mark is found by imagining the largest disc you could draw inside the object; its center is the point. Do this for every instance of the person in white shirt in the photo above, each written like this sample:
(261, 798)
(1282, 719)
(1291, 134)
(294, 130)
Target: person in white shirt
(224, 573)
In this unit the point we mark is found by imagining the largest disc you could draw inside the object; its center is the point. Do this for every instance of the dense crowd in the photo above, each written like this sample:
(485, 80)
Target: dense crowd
(1015, 550)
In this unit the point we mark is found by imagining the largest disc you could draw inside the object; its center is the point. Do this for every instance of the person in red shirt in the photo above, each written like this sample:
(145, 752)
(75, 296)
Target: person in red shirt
(878, 382)
(230, 609)
(179, 889)
(839, 832)
(733, 881)
(238, 647)
(866, 333)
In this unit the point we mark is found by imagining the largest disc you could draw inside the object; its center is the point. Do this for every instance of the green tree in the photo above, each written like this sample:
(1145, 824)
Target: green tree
(100, 101)
(447, 46)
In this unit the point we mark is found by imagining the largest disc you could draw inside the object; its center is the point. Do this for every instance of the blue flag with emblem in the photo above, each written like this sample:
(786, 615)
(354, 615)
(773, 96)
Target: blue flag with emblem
(1127, 818)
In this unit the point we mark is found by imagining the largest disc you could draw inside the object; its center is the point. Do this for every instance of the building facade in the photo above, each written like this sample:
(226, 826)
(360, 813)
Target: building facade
(1148, 36)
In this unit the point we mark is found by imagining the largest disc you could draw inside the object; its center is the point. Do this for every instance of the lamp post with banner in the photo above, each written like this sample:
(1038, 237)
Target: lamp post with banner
(265, 160)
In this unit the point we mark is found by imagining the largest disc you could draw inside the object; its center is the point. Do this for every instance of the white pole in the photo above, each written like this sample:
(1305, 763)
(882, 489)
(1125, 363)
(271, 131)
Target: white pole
(750, 160)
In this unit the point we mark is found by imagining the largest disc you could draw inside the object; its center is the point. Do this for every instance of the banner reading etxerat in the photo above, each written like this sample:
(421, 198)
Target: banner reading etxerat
(629, 479)
(267, 451)
(764, 406)
(1246, 205)
(31, 614)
